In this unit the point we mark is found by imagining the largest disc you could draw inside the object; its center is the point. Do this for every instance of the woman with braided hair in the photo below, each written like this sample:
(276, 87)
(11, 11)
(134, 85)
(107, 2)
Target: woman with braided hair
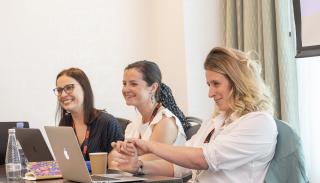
(160, 119)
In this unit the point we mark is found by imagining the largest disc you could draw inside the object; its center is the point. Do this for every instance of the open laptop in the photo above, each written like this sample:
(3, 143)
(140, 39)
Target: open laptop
(33, 145)
(66, 149)
(4, 126)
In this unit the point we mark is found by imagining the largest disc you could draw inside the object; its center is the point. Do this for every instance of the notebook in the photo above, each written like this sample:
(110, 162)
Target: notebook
(4, 126)
(66, 149)
(43, 170)
(33, 145)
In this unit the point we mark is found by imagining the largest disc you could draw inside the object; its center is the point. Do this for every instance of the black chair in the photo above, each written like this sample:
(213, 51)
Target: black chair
(192, 130)
(192, 119)
(195, 125)
(123, 122)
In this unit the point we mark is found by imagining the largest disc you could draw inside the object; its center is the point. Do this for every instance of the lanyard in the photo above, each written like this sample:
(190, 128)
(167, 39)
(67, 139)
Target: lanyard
(154, 113)
(207, 140)
(85, 141)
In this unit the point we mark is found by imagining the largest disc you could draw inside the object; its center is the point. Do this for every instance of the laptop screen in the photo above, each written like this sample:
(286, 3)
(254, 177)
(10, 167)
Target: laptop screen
(4, 126)
(33, 144)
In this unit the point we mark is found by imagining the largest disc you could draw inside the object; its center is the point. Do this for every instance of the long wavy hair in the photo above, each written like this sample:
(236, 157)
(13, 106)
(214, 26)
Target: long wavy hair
(90, 113)
(152, 74)
(248, 90)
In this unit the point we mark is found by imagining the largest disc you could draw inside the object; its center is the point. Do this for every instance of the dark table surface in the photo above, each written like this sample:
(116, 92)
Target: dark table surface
(150, 178)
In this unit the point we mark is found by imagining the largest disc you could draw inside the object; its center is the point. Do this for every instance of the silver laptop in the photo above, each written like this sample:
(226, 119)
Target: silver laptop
(66, 149)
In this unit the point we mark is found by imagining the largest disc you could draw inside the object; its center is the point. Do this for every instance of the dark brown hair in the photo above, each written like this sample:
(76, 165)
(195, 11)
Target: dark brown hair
(152, 74)
(90, 113)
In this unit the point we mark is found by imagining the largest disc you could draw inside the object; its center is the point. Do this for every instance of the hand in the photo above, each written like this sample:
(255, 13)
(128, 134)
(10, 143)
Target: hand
(124, 147)
(140, 146)
(125, 162)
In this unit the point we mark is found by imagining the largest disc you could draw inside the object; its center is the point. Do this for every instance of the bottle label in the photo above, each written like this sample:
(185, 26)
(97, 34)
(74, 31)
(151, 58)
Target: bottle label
(13, 167)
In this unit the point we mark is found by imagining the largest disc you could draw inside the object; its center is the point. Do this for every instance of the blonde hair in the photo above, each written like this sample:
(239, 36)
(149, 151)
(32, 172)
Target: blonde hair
(248, 90)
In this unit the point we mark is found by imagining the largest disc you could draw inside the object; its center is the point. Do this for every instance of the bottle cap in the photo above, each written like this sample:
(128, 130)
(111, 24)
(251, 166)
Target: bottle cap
(11, 130)
(19, 125)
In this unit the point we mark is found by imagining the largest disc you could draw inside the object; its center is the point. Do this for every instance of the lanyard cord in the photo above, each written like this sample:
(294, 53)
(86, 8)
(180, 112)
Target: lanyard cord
(85, 141)
(154, 113)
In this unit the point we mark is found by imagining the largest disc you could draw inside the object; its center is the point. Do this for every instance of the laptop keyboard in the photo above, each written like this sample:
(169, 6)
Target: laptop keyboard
(97, 178)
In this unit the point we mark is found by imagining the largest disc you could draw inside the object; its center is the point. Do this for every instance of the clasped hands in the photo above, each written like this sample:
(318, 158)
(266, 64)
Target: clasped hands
(126, 153)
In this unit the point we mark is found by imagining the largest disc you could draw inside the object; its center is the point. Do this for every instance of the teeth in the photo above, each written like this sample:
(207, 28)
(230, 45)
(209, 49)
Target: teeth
(66, 101)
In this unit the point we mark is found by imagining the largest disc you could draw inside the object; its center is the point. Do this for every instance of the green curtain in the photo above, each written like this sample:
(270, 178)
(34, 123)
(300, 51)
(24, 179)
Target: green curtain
(267, 26)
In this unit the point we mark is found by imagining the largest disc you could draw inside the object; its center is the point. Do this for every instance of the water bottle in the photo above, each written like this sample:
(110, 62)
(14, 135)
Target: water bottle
(13, 163)
(23, 158)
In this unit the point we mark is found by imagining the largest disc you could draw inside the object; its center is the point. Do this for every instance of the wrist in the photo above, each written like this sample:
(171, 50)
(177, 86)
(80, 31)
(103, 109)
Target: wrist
(151, 146)
(140, 168)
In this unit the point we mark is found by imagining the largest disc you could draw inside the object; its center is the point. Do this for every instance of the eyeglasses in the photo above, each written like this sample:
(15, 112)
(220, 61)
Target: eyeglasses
(67, 89)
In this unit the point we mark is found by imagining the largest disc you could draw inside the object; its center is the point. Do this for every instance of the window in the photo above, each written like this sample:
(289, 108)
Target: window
(309, 101)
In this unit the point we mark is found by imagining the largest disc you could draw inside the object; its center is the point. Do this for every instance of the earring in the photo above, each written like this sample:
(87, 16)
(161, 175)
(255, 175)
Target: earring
(153, 100)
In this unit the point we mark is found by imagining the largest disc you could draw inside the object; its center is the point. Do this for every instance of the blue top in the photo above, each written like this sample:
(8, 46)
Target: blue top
(103, 130)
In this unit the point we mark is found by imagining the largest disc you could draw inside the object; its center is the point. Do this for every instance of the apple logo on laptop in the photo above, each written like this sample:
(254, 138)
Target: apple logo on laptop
(66, 155)
(34, 149)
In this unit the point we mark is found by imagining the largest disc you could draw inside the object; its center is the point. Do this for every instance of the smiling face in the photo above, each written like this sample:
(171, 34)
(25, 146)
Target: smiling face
(71, 101)
(219, 90)
(135, 90)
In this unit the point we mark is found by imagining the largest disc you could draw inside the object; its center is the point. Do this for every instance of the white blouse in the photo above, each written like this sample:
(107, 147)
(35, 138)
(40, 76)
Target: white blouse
(137, 128)
(238, 152)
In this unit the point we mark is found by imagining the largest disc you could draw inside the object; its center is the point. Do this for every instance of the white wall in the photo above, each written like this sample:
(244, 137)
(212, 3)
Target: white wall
(39, 38)
(202, 33)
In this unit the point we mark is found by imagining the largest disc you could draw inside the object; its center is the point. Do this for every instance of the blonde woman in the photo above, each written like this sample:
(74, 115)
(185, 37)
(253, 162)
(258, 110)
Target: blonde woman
(236, 145)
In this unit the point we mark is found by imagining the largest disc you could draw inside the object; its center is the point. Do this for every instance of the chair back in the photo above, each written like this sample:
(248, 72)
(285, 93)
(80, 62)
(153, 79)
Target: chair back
(195, 125)
(287, 164)
(193, 120)
(192, 130)
(123, 122)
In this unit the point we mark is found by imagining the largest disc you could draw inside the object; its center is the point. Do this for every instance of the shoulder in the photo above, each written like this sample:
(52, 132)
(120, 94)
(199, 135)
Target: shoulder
(258, 120)
(261, 117)
(105, 119)
(105, 116)
(167, 121)
(163, 114)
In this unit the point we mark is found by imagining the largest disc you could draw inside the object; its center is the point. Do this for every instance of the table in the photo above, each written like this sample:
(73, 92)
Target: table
(151, 178)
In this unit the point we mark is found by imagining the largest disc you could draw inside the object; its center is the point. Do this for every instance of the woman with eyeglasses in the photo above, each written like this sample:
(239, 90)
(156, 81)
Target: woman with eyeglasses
(95, 129)
(159, 118)
(236, 145)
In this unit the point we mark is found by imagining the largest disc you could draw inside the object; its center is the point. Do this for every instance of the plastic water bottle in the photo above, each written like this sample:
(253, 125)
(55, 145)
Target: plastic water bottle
(23, 158)
(13, 163)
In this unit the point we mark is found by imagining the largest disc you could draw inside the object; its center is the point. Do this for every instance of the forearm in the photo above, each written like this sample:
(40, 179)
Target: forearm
(158, 167)
(148, 157)
(178, 155)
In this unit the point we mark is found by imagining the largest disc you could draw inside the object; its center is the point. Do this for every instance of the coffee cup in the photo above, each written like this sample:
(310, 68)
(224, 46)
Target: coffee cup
(98, 161)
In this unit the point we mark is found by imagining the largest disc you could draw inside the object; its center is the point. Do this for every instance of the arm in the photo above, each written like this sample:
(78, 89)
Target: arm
(173, 154)
(158, 167)
(165, 131)
(128, 161)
